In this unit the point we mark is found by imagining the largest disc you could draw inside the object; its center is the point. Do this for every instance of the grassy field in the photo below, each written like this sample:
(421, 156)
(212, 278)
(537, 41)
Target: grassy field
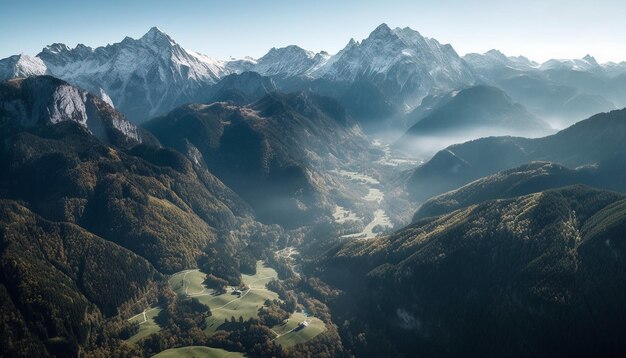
(197, 352)
(188, 282)
(147, 325)
(288, 335)
(227, 305)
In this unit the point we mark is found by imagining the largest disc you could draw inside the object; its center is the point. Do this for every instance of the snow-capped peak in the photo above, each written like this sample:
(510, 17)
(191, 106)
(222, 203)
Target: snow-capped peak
(587, 63)
(591, 60)
(401, 61)
(494, 58)
(155, 31)
(287, 50)
(21, 66)
(158, 37)
(56, 48)
(151, 72)
(289, 61)
(381, 31)
(496, 54)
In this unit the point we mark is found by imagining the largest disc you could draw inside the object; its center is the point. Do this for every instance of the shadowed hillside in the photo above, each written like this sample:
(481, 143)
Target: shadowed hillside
(536, 275)
(272, 152)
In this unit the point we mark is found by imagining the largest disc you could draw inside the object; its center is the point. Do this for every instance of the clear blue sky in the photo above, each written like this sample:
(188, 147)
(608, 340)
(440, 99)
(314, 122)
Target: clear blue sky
(538, 29)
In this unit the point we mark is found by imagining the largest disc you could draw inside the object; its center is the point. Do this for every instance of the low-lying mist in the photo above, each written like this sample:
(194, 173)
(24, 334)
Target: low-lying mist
(425, 146)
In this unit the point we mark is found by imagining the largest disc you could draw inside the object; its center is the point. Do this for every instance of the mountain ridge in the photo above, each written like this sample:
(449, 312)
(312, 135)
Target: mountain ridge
(484, 109)
(271, 151)
(151, 75)
(592, 141)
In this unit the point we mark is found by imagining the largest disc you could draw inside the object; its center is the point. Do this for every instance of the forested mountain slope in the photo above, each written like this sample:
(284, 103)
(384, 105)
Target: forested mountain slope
(536, 275)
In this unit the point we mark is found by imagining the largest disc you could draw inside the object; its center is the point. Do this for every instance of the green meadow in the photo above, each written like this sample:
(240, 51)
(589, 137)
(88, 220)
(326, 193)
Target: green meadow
(147, 325)
(289, 335)
(197, 352)
(227, 305)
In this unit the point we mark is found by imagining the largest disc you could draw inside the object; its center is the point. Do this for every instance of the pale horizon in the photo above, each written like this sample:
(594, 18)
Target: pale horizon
(539, 31)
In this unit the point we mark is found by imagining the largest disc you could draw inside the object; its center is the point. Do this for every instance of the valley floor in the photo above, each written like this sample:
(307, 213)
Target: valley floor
(370, 219)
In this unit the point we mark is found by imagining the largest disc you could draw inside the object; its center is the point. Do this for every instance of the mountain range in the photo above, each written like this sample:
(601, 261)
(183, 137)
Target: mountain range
(561, 91)
(378, 79)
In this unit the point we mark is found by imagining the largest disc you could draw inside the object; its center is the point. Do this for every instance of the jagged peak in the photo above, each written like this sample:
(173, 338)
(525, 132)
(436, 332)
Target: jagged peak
(590, 59)
(82, 50)
(290, 50)
(156, 35)
(82, 47)
(381, 31)
(155, 31)
(297, 48)
(321, 56)
(408, 32)
(495, 53)
(56, 47)
(382, 28)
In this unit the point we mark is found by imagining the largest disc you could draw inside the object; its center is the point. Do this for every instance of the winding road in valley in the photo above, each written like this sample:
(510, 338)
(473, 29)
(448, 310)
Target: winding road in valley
(374, 195)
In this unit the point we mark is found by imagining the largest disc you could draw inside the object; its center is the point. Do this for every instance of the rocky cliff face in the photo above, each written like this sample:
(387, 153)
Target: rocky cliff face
(42, 100)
